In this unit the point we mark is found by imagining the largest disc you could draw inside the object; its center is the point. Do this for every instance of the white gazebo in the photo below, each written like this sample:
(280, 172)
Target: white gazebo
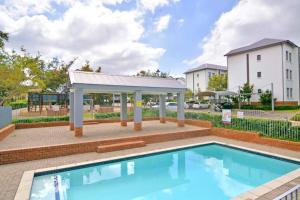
(92, 82)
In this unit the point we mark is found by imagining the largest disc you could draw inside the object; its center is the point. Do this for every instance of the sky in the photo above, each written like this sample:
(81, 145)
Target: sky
(126, 36)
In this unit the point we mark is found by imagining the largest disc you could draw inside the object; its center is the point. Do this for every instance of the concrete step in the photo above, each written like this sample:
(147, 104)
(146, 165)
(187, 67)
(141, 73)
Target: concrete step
(120, 146)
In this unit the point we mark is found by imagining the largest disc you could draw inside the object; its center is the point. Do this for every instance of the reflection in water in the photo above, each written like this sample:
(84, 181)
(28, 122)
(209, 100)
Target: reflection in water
(211, 172)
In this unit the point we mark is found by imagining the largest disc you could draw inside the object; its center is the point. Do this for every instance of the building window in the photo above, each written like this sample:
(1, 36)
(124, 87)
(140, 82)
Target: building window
(213, 74)
(258, 74)
(291, 92)
(291, 75)
(259, 91)
(288, 92)
(290, 57)
(197, 75)
(287, 74)
(197, 84)
(258, 57)
(209, 74)
(286, 55)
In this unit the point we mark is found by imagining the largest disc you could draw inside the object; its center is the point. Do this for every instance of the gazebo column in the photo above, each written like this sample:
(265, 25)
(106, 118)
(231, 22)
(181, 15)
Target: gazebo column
(71, 111)
(123, 109)
(138, 110)
(180, 109)
(162, 108)
(78, 111)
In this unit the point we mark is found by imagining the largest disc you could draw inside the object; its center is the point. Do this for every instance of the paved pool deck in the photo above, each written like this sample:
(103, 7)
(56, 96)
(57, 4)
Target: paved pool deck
(34, 137)
(10, 174)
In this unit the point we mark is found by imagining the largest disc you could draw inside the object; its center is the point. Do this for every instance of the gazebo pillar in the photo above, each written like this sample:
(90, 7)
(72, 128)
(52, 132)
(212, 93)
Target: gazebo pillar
(78, 111)
(71, 111)
(180, 109)
(123, 109)
(162, 108)
(138, 110)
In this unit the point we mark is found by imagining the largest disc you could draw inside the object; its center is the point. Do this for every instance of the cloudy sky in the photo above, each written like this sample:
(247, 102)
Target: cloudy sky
(124, 36)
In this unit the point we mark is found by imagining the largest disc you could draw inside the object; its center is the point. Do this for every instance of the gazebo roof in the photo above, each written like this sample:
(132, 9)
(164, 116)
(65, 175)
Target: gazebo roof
(94, 80)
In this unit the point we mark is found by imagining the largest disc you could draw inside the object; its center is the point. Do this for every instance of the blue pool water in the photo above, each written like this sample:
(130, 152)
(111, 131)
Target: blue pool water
(205, 172)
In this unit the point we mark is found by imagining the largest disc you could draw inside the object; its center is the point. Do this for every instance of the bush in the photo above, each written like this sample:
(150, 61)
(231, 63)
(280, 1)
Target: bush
(280, 129)
(268, 107)
(41, 119)
(296, 117)
(266, 98)
(18, 104)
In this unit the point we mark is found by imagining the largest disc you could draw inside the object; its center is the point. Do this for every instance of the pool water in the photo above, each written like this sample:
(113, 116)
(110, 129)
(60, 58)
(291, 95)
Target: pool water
(204, 172)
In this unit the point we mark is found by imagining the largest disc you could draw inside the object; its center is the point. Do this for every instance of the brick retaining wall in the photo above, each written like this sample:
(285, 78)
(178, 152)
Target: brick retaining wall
(4, 132)
(255, 138)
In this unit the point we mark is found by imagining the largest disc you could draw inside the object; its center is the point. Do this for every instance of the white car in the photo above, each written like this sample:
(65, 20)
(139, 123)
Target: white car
(169, 106)
(198, 105)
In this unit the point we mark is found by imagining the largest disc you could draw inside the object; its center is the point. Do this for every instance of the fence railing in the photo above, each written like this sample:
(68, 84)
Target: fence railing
(292, 194)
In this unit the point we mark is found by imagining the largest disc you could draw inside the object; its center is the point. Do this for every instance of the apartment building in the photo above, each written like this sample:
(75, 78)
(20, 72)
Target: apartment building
(197, 78)
(264, 62)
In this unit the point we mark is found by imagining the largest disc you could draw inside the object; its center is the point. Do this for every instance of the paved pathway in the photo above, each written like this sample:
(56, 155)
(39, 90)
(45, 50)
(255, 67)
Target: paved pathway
(22, 138)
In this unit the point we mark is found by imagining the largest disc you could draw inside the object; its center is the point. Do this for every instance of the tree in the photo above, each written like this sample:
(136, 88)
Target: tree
(188, 94)
(266, 98)
(218, 82)
(149, 73)
(3, 39)
(98, 70)
(57, 76)
(246, 92)
(86, 67)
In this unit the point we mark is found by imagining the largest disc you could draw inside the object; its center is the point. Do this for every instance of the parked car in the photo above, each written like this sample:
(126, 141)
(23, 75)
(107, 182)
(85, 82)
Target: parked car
(198, 105)
(169, 106)
(188, 104)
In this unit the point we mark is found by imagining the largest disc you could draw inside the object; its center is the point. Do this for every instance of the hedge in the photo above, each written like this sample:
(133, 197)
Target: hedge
(296, 117)
(261, 107)
(41, 119)
(280, 129)
(18, 104)
(145, 113)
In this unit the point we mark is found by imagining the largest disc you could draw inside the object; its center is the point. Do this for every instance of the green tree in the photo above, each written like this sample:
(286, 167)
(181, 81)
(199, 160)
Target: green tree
(246, 92)
(218, 82)
(149, 73)
(86, 67)
(266, 98)
(3, 39)
(188, 94)
(56, 77)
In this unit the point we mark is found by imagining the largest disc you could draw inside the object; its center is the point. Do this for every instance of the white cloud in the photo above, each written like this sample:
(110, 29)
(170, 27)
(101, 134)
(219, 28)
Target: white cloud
(153, 4)
(180, 22)
(248, 22)
(87, 30)
(162, 23)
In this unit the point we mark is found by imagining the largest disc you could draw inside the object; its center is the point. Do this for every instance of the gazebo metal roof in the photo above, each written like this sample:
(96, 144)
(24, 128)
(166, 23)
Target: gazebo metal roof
(91, 81)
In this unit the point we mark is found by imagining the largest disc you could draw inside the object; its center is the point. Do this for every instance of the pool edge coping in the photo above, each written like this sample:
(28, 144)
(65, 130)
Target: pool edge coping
(25, 185)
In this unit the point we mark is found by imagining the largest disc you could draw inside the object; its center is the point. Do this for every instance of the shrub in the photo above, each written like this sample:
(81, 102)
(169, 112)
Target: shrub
(268, 107)
(41, 119)
(266, 98)
(280, 129)
(296, 117)
(18, 104)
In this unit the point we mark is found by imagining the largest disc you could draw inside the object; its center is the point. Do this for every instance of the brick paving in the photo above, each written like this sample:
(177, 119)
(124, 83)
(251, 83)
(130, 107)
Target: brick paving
(10, 174)
(33, 137)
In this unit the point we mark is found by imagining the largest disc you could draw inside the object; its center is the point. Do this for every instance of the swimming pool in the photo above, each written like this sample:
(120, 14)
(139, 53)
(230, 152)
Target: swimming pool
(210, 171)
